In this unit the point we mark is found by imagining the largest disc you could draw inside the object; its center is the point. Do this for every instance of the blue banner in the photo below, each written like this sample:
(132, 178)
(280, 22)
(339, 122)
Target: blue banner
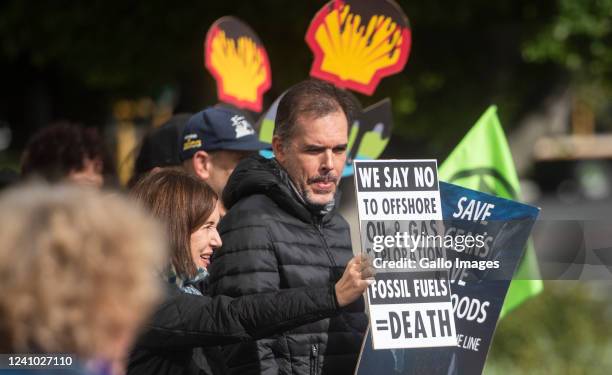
(479, 276)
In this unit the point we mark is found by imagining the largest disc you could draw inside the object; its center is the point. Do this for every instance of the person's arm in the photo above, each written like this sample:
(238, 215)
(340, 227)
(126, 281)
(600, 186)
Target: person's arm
(186, 320)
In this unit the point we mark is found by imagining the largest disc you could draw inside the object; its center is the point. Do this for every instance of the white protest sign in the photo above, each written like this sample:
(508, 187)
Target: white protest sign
(410, 302)
(411, 310)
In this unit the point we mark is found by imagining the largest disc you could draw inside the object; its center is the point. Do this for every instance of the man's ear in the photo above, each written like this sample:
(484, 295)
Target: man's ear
(278, 148)
(201, 164)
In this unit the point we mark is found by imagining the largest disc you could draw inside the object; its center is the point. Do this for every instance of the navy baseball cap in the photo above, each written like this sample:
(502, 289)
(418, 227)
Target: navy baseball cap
(219, 128)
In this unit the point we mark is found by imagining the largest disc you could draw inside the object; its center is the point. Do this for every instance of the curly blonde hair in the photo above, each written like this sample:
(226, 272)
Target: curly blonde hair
(77, 269)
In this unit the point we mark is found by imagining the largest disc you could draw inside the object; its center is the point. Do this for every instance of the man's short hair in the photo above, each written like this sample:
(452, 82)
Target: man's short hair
(311, 98)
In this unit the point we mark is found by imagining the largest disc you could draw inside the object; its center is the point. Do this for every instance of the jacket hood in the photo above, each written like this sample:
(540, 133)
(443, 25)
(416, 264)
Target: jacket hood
(258, 175)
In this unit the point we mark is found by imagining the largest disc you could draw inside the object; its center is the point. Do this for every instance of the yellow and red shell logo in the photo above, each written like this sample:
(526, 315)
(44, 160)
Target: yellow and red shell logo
(238, 61)
(358, 42)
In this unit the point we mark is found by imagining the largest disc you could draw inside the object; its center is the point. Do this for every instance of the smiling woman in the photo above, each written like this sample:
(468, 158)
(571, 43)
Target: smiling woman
(205, 240)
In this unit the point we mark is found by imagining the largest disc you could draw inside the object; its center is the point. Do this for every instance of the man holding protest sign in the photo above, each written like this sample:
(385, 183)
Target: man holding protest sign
(281, 231)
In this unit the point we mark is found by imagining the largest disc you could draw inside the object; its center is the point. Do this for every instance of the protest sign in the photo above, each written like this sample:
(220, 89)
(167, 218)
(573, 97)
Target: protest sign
(479, 280)
(411, 310)
(409, 303)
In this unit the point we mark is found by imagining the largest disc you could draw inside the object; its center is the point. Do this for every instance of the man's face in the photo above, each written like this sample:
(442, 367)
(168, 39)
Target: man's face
(221, 166)
(89, 175)
(315, 156)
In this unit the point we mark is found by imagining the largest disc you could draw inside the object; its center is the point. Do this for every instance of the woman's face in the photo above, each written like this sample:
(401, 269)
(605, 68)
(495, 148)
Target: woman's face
(205, 240)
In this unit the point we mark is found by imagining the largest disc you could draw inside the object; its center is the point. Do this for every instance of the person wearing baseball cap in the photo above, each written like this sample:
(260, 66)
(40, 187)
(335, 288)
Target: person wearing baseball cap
(214, 141)
(160, 147)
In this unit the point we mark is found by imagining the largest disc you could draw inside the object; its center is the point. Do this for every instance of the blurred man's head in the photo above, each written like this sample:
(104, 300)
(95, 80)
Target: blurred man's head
(66, 152)
(160, 147)
(311, 137)
(214, 141)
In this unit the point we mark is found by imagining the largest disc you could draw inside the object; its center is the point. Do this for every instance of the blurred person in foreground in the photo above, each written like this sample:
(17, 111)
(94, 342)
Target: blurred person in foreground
(214, 141)
(282, 231)
(75, 274)
(69, 153)
(187, 319)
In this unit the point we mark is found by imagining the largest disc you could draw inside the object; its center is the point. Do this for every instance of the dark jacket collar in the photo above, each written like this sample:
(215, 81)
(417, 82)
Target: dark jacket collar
(258, 175)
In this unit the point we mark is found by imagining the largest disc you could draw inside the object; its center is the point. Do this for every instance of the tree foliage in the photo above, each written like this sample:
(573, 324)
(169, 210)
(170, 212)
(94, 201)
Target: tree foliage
(466, 55)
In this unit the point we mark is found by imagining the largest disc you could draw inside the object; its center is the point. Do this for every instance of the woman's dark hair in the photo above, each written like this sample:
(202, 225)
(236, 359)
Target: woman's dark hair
(182, 202)
(56, 150)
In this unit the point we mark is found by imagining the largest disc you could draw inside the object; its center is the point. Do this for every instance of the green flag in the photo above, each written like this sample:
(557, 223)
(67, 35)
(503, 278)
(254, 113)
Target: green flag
(482, 161)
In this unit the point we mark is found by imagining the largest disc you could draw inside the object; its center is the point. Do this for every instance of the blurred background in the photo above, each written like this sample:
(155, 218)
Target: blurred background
(124, 67)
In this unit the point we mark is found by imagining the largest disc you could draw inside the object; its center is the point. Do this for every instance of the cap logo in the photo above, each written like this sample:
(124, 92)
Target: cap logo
(241, 126)
(191, 141)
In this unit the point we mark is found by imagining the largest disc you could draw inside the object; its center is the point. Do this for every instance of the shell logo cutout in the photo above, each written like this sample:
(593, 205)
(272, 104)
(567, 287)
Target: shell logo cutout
(238, 61)
(356, 43)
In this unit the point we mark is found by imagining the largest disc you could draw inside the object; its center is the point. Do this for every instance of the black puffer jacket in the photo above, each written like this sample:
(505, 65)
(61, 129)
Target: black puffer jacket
(271, 241)
(185, 321)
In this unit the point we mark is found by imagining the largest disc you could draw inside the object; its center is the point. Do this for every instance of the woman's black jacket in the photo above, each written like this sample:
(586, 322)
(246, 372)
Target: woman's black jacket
(184, 322)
